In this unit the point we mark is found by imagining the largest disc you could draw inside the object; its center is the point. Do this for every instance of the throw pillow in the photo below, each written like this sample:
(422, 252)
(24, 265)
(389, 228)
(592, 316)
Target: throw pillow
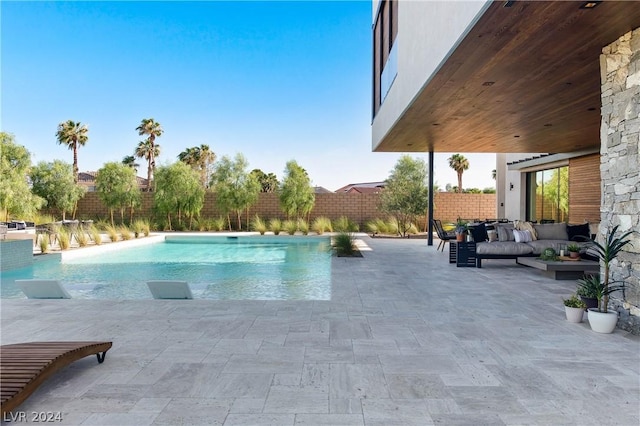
(522, 236)
(492, 235)
(578, 232)
(526, 226)
(479, 233)
(505, 232)
(551, 231)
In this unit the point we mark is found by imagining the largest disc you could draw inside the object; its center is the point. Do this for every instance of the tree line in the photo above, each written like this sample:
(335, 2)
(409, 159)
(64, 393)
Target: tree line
(179, 188)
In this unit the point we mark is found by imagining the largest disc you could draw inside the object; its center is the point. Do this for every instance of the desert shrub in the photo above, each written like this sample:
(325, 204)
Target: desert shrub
(219, 224)
(303, 226)
(259, 225)
(413, 229)
(125, 233)
(40, 219)
(179, 226)
(344, 243)
(112, 232)
(81, 237)
(290, 226)
(102, 224)
(64, 238)
(371, 227)
(138, 228)
(343, 224)
(95, 234)
(275, 225)
(392, 226)
(321, 225)
(206, 225)
(43, 243)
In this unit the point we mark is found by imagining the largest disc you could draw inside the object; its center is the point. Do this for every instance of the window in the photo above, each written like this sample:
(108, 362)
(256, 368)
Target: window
(548, 195)
(385, 57)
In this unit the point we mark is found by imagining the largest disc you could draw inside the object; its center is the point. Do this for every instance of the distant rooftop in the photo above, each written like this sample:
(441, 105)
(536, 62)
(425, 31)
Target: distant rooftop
(363, 187)
(88, 180)
(321, 190)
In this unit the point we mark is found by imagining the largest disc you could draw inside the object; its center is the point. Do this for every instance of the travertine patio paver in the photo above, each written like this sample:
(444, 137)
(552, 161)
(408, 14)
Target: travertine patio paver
(406, 339)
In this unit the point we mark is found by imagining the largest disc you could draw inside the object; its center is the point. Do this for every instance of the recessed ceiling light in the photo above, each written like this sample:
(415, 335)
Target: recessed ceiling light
(516, 136)
(590, 4)
(409, 144)
(435, 124)
(548, 125)
(591, 109)
(488, 83)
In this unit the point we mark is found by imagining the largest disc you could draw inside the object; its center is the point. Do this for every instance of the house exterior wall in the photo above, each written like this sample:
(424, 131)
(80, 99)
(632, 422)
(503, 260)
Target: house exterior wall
(620, 165)
(514, 198)
(584, 189)
(423, 44)
(360, 208)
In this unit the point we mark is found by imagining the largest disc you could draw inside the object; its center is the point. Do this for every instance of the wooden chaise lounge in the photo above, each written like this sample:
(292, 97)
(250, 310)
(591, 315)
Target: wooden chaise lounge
(25, 366)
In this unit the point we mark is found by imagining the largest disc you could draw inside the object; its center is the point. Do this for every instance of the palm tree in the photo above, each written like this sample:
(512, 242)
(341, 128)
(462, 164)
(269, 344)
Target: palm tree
(207, 158)
(268, 182)
(72, 134)
(190, 157)
(148, 126)
(458, 163)
(200, 159)
(147, 151)
(130, 160)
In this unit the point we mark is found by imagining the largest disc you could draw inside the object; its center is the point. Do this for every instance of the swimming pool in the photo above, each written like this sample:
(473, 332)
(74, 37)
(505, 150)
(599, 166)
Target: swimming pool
(216, 267)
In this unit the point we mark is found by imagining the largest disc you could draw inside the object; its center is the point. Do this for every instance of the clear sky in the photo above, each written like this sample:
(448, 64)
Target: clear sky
(272, 80)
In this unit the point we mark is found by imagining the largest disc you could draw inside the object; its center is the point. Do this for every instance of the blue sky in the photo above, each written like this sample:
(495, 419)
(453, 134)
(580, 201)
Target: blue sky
(272, 80)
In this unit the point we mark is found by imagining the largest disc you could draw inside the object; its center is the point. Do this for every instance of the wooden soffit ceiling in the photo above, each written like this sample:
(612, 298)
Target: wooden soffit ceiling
(526, 78)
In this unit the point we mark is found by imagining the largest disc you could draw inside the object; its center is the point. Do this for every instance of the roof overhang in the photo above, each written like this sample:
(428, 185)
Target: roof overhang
(525, 78)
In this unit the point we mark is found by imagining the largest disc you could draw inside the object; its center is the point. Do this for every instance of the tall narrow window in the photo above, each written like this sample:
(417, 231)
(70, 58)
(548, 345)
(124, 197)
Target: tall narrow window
(385, 59)
(548, 195)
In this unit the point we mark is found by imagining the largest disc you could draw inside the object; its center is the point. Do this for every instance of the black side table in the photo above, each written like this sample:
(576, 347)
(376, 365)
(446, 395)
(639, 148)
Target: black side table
(463, 254)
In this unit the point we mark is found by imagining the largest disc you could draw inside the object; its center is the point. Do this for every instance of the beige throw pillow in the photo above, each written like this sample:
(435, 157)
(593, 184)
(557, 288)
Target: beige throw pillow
(521, 225)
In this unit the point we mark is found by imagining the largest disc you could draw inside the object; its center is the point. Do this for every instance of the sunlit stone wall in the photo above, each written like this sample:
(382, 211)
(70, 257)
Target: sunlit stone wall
(620, 164)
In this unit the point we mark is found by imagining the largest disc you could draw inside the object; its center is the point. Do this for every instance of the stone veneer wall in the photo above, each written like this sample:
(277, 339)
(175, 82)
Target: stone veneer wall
(15, 254)
(620, 164)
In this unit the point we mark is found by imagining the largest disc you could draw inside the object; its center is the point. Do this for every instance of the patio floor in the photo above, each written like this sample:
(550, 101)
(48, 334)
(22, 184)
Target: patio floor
(406, 339)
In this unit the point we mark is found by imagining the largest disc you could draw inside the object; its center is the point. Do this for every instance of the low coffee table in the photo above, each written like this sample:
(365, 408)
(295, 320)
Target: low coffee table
(561, 270)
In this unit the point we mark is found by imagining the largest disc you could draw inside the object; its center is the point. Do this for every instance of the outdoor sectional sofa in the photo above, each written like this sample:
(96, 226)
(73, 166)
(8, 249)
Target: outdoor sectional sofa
(554, 235)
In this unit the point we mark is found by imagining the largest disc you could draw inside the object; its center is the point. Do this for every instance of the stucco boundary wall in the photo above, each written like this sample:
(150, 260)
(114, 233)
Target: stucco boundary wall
(360, 208)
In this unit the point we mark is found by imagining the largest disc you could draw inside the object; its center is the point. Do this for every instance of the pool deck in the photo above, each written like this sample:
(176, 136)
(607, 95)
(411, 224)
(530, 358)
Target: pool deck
(406, 339)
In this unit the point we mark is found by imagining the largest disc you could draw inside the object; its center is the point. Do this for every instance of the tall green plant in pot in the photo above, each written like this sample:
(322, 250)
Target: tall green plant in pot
(607, 252)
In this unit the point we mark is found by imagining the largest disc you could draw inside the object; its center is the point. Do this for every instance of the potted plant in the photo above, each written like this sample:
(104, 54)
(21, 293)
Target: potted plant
(574, 308)
(461, 229)
(574, 250)
(589, 287)
(600, 319)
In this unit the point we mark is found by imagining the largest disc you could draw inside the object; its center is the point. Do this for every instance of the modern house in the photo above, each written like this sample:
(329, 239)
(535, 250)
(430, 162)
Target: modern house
(362, 188)
(88, 181)
(552, 87)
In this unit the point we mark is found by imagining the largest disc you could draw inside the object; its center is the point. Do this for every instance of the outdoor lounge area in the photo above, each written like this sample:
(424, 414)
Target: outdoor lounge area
(407, 338)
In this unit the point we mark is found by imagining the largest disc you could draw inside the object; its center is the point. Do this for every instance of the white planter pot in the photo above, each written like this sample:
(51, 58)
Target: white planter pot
(574, 314)
(601, 322)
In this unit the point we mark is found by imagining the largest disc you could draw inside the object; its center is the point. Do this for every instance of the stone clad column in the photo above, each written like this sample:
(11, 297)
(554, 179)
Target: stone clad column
(620, 164)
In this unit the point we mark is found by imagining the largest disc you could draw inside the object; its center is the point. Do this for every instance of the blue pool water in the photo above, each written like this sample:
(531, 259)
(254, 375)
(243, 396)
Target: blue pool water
(241, 268)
